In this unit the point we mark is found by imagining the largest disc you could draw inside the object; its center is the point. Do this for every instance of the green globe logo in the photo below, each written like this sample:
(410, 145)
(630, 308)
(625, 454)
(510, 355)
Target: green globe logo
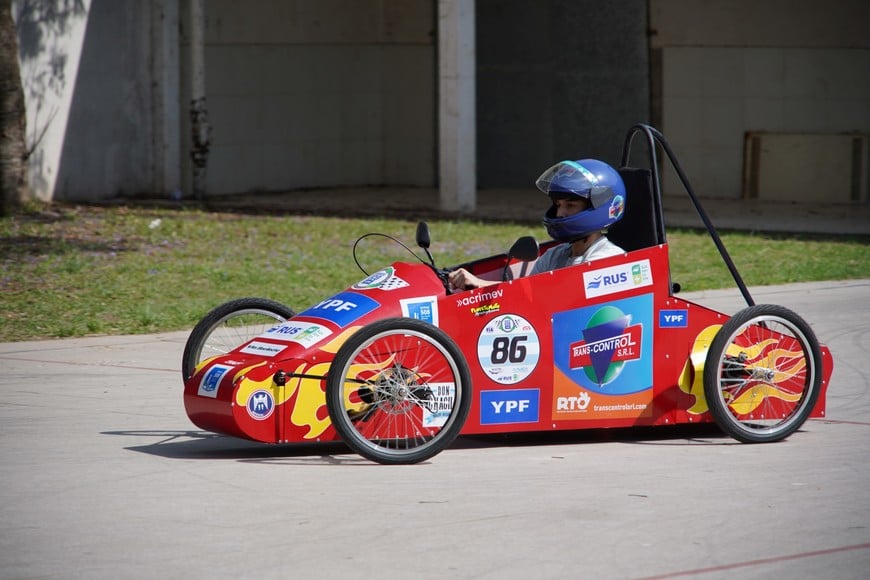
(600, 334)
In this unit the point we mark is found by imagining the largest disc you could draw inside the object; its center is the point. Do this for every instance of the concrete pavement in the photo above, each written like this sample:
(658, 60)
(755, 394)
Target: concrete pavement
(103, 476)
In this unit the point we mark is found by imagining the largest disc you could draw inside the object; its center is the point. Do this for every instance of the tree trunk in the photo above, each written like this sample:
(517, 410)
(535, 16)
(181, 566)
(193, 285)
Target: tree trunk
(13, 119)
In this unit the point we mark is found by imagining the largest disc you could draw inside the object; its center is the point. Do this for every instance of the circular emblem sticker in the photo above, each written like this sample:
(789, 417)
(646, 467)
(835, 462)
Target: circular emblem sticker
(375, 280)
(385, 279)
(260, 405)
(508, 349)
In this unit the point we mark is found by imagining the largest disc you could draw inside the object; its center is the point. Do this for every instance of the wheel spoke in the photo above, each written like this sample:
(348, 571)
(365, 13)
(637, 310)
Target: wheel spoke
(229, 326)
(391, 373)
(762, 374)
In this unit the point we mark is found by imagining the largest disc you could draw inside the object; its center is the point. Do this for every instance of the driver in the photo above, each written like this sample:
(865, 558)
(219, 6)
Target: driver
(588, 196)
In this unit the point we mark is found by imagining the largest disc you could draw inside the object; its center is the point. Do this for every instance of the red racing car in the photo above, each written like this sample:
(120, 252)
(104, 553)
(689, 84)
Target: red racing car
(397, 365)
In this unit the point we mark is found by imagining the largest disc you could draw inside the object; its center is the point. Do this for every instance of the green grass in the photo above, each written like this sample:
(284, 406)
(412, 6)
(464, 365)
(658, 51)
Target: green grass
(76, 271)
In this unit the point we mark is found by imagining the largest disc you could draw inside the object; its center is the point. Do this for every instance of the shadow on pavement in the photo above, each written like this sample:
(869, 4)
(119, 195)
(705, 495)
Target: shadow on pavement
(205, 445)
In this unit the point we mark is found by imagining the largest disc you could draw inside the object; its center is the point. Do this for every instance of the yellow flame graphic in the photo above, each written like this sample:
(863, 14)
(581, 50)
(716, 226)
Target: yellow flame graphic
(310, 398)
(309, 401)
(692, 378)
(354, 372)
(333, 345)
(749, 400)
(785, 364)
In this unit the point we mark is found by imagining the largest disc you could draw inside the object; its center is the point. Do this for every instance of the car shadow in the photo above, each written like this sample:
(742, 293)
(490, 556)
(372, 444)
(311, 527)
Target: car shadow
(194, 444)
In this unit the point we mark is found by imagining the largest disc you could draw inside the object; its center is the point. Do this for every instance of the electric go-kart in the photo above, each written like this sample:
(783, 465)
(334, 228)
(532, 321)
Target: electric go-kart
(397, 365)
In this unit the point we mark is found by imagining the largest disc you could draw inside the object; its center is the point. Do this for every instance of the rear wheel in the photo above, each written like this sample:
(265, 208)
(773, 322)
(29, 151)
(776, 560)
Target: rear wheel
(763, 374)
(398, 391)
(229, 326)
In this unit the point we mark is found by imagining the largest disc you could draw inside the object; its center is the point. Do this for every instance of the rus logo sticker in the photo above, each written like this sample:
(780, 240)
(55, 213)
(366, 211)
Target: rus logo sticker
(617, 278)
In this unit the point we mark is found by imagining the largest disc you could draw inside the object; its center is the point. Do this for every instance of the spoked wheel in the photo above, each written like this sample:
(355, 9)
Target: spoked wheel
(763, 374)
(229, 326)
(398, 391)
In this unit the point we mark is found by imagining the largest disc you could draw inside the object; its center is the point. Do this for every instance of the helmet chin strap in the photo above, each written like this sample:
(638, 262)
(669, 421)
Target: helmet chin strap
(584, 239)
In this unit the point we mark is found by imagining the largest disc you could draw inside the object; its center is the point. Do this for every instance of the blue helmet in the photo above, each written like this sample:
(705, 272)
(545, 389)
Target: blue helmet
(590, 179)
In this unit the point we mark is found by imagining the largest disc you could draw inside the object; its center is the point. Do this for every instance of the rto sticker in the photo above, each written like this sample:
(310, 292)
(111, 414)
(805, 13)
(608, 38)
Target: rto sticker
(508, 349)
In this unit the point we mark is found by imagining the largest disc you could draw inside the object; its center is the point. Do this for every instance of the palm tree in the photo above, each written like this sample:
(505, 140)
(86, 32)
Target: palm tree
(13, 119)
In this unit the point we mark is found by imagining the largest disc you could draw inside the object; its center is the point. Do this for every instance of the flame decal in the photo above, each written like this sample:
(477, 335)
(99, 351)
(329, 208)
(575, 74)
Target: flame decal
(773, 372)
(308, 411)
(309, 400)
(333, 345)
(692, 377)
(309, 407)
(749, 400)
(773, 368)
(786, 364)
(356, 371)
(246, 386)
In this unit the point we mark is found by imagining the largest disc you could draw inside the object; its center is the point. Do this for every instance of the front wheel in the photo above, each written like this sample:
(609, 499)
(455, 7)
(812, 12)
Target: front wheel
(763, 374)
(229, 326)
(398, 391)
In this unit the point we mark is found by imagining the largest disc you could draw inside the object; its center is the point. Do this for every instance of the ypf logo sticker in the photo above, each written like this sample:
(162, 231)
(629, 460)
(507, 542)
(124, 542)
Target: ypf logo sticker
(343, 308)
(508, 349)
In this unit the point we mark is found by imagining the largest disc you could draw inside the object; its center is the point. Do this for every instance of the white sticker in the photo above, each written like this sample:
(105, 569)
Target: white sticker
(263, 348)
(424, 308)
(437, 410)
(617, 278)
(211, 380)
(305, 333)
(508, 349)
(385, 279)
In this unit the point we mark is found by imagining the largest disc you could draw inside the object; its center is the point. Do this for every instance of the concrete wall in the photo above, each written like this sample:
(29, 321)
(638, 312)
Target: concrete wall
(726, 68)
(318, 94)
(87, 84)
(342, 92)
(557, 79)
(324, 93)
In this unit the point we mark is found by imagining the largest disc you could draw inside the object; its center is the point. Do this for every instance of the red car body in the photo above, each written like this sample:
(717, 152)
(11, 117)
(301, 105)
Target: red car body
(534, 363)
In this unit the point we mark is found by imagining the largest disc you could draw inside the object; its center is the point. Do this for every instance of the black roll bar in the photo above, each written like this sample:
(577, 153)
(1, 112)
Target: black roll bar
(653, 136)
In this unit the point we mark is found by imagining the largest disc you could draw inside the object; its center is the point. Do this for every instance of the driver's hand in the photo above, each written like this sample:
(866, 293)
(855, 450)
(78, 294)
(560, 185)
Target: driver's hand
(462, 279)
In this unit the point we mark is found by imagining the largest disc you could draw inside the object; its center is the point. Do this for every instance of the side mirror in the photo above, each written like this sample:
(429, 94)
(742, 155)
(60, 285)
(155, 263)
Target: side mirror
(423, 240)
(526, 249)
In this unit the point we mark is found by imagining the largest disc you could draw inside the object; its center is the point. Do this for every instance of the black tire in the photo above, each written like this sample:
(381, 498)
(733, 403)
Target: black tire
(229, 326)
(763, 374)
(409, 401)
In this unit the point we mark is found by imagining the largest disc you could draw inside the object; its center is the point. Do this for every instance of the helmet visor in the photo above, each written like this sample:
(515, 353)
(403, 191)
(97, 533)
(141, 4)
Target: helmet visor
(568, 177)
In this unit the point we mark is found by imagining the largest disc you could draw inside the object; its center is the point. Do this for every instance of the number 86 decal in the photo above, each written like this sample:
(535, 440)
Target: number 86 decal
(508, 349)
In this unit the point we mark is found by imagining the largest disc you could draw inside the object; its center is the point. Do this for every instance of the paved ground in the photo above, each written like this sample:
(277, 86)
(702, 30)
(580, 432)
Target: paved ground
(103, 476)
